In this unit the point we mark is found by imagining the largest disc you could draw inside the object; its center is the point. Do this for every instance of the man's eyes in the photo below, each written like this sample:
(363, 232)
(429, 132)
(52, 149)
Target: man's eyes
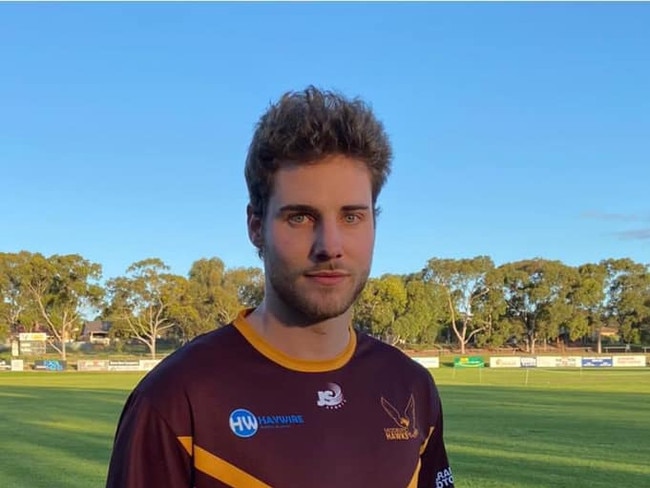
(303, 218)
(352, 218)
(298, 219)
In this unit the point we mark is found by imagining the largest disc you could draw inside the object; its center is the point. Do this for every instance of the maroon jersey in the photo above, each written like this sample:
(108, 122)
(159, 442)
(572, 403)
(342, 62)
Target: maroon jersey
(227, 410)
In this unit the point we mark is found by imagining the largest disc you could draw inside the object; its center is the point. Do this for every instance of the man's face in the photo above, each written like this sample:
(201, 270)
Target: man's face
(317, 238)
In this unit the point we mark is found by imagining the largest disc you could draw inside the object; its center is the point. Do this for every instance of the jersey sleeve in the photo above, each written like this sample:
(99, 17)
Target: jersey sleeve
(146, 452)
(435, 471)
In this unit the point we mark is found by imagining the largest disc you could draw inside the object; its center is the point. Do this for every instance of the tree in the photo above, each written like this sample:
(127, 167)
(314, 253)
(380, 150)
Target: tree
(249, 283)
(490, 309)
(536, 293)
(60, 287)
(140, 302)
(424, 313)
(381, 302)
(18, 312)
(587, 295)
(9, 308)
(12, 301)
(463, 283)
(628, 302)
(214, 296)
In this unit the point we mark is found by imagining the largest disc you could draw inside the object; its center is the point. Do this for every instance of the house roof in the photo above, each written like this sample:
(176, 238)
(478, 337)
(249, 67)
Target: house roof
(96, 326)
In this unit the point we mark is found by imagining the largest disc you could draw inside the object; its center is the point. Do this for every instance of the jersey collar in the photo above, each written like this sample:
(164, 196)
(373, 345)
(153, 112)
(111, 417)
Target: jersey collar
(278, 357)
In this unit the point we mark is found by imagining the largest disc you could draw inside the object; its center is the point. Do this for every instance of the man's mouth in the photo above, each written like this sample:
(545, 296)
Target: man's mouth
(328, 278)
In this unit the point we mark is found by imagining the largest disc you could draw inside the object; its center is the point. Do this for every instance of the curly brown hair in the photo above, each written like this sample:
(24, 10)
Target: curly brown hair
(307, 126)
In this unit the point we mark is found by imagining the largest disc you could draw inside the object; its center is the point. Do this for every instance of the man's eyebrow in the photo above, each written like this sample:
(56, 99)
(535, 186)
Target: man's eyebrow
(297, 207)
(352, 208)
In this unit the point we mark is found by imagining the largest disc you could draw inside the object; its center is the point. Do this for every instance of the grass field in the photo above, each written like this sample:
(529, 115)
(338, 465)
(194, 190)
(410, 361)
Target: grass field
(504, 428)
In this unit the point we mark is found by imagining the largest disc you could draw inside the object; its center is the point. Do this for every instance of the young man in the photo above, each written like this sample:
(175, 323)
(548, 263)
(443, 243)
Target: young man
(289, 395)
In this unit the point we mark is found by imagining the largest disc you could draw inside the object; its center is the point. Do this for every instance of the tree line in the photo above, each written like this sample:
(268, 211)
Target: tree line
(56, 294)
(459, 301)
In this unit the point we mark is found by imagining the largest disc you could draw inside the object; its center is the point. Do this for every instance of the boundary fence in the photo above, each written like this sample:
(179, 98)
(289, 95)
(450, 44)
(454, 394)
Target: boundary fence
(430, 362)
(558, 361)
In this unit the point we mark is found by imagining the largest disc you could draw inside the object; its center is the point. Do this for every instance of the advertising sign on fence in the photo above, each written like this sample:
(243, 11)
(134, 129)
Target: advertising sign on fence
(124, 365)
(49, 365)
(505, 362)
(148, 364)
(559, 361)
(92, 365)
(528, 362)
(32, 336)
(32, 348)
(593, 362)
(17, 365)
(469, 362)
(429, 361)
(32, 343)
(637, 361)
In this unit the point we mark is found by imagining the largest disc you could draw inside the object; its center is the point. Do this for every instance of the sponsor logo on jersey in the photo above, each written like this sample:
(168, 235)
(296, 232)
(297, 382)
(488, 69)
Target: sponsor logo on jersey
(245, 423)
(444, 478)
(332, 398)
(405, 427)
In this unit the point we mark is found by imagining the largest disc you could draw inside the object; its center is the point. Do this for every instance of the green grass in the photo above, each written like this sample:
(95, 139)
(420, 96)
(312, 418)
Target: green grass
(504, 428)
(547, 428)
(57, 428)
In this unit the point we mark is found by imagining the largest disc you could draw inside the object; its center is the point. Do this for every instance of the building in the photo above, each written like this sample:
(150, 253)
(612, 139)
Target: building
(96, 332)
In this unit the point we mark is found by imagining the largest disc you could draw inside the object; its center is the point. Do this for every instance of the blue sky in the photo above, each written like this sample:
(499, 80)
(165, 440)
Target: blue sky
(519, 130)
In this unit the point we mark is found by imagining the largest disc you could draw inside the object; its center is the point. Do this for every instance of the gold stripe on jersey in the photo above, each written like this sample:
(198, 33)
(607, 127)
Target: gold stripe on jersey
(282, 359)
(220, 469)
(414, 480)
(426, 441)
(186, 442)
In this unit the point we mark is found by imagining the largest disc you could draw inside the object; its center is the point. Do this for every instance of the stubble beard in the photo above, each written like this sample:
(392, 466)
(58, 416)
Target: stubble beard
(309, 305)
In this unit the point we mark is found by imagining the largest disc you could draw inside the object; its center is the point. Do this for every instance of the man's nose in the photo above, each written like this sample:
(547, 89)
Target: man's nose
(328, 240)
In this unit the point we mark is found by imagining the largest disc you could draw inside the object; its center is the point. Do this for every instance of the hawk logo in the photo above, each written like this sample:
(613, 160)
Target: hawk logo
(332, 398)
(406, 428)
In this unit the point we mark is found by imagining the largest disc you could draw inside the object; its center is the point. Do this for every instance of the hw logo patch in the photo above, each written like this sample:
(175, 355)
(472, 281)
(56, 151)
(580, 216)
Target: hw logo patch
(243, 423)
(405, 428)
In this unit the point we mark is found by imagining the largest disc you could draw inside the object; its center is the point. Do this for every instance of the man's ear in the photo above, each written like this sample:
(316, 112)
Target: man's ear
(255, 228)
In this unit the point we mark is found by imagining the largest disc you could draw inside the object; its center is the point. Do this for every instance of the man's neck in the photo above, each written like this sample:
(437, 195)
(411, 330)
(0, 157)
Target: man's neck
(321, 341)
